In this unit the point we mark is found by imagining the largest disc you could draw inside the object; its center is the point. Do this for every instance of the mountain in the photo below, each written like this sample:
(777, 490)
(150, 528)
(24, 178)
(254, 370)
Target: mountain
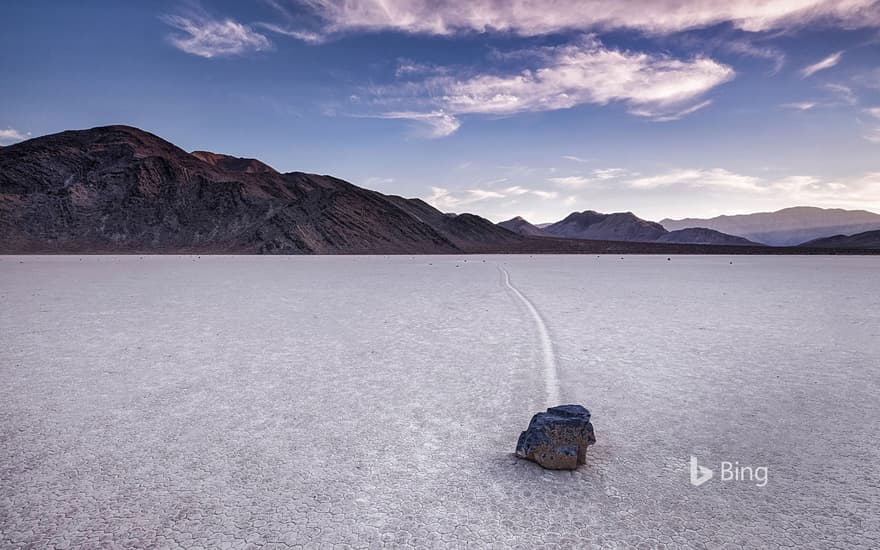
(701, 235)
(121, 189)
(624, 226)
(521, 226)
(787, 227)
(865, 240)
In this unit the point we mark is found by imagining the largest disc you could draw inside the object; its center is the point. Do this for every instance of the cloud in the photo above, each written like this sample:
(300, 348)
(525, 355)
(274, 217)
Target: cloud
(573, 182)
(585, 72)
(845, 93)
(304, 35)
(800, 105)
(11, 135)
(873, 111)
(596, 177)
(826, 63)
(791, 190)
(206, 37)
(531, 18)
(859, 190)
(588, 72)
(436, 123)
(446, 200)
(716, 177)
(747, 48)
(608, 173)
(658, 116)
(576, 159)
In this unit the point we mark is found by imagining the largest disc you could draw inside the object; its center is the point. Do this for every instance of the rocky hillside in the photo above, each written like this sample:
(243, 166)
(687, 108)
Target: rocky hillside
(622, 226)
(701, 235)
(521, 226)
(120, 189)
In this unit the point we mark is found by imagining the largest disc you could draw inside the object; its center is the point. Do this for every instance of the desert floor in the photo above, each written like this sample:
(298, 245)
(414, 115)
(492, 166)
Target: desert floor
(274, 402)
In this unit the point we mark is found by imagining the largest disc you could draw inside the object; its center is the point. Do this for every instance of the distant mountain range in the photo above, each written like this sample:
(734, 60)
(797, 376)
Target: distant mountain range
(119, 189)
(866, 240)
(788, 227)
(799, 226)
(621, 226)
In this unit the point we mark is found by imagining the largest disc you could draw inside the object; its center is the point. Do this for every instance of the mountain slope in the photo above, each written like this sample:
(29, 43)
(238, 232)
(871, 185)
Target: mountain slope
(521, 226)
(624, 226)
(865, 240)
(790, 226)
(234, 164)
(701, 235)
(120, 189)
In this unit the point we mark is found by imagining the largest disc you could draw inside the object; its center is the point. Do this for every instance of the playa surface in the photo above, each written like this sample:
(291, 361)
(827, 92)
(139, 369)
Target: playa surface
(275, 402)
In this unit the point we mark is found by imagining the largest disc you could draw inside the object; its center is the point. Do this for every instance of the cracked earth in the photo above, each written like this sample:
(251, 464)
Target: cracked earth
(286, 402)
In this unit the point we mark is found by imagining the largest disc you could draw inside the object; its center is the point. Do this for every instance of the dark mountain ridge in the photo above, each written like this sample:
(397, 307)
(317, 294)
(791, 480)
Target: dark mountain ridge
(121, 189)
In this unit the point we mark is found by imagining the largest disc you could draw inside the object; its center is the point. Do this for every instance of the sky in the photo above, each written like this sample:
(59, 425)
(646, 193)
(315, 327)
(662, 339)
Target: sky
(664, 108)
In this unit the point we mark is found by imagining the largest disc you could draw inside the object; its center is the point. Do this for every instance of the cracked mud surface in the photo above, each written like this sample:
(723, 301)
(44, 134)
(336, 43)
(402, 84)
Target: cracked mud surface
(276, 402)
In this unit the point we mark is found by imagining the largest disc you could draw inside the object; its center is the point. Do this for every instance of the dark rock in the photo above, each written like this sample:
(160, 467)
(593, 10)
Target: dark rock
(557, 439)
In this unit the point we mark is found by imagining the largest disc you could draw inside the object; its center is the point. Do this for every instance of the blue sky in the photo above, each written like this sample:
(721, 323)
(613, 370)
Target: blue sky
(660, 107)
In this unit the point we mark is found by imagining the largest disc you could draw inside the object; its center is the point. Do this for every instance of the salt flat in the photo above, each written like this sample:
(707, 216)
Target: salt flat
(273, 402)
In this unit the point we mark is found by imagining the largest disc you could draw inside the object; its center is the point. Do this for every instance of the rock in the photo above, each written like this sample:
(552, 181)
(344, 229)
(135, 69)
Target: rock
(557, 439)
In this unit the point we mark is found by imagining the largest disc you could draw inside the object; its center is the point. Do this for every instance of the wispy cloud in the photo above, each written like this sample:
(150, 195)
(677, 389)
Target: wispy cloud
(448, 200)
(658, 116)
(585, 72)
(608, 173)
(596, 178)
(716, 177)
(793, 189)
(747, 48)
(826, 63)
(800, 105)
(572, 182)
(11, 135)
(842, 92)
(435, 123)
(299, 34)
(206, 37)
(530, 18)
(576, 159)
